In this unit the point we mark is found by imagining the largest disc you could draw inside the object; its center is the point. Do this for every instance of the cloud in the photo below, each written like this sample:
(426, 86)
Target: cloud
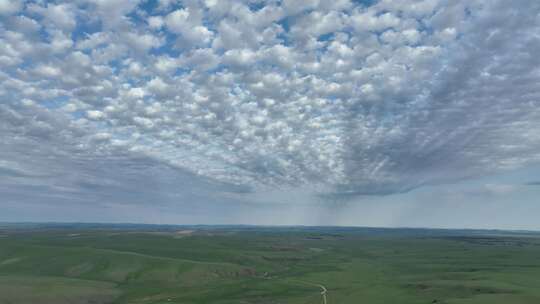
(112, 13)
(8, 7)
(350, 99)
(61, 16)
(188, 23)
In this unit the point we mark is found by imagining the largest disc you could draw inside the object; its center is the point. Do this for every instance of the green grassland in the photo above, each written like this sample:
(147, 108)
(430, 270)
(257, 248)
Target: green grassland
(79, 264)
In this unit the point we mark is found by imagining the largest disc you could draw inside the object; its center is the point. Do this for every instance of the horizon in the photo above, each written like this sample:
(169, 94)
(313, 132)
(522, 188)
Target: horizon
(109, 224)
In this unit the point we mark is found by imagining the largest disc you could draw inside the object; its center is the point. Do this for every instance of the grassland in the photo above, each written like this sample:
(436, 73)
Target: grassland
(155, 264)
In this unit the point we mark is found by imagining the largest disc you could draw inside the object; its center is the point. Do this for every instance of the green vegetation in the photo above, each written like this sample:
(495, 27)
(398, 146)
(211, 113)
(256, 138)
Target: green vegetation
(146, 264)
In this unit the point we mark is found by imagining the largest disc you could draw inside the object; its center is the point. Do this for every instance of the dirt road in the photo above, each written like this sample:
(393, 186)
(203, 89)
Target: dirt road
(322, 287)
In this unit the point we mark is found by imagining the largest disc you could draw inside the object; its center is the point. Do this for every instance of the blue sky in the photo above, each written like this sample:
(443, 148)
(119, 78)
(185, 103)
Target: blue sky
(373, 113)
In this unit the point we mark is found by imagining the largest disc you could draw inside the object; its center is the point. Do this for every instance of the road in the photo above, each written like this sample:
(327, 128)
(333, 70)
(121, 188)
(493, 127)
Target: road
(323, 292)
(322, 287)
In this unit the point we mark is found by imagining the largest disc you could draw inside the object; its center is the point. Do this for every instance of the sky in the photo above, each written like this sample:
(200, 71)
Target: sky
(413, 113)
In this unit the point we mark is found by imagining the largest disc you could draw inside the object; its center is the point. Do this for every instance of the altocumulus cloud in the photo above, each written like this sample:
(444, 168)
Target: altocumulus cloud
(147, 101)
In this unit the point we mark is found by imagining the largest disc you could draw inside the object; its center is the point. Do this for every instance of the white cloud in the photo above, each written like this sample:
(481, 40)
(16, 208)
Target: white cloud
(158, 86)
(60, 42)
(95, 115)
(8, 7)
(293, 7)
(178, 21)
(369, 21)
(349, 98)
(60, 15)
(156, 22)
(318, 23)
(406, 37)
(166, 64)
(143, 42)
(144, 122)
(48, 71)
(202, 59)
(187, 23)
(240, 58)
(113, 12)
(26, 25)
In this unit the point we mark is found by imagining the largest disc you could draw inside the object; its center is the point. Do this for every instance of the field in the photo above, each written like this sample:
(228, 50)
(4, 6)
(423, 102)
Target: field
(175, 264)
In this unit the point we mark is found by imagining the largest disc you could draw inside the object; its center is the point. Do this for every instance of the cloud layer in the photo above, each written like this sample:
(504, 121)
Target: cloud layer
(148, 101)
